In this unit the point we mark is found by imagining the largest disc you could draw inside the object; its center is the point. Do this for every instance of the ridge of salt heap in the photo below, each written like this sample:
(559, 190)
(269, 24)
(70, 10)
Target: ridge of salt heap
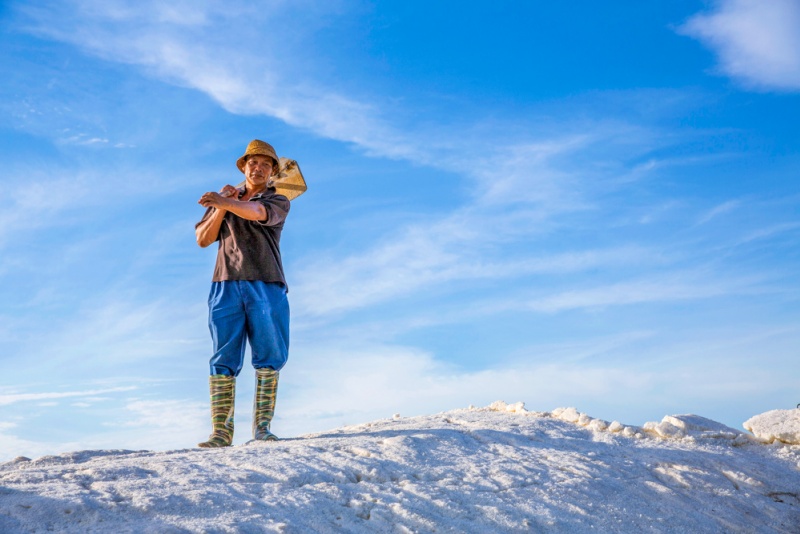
(572, 415)
(693, 426)
(776, 425)
(502, 406)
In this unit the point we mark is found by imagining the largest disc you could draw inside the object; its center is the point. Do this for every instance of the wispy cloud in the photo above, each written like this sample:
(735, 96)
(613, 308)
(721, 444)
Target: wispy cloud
(770, 231)
(85, 140)
(11, 398)
(38, 201)
(672, 288)
(228, 60)
(756, 42)
(12, 445)
(721, 209)
(116, 332)
(64, 195)
(165, 423)
(135, 424)
(432, 258)
(239, 69)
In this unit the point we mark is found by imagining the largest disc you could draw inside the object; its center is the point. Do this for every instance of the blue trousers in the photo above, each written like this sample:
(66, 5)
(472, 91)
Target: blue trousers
(243, 310)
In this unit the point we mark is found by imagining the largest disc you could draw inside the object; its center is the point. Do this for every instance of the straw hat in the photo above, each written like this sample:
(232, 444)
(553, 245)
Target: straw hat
(260, 148)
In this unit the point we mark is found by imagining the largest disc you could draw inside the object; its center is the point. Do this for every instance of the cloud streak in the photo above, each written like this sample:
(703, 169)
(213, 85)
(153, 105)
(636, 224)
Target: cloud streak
(674, 288)
(757, 43)
(240, 70)
(12, 398)
(724, 208)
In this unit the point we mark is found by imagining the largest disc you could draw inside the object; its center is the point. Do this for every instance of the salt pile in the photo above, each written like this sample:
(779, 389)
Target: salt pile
(495, 469)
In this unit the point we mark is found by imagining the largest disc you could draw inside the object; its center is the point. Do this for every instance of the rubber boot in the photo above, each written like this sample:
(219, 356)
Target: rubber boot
(264, 404)
(223, 394)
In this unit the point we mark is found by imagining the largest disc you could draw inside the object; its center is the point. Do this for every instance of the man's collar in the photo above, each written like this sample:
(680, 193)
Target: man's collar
(269, 190)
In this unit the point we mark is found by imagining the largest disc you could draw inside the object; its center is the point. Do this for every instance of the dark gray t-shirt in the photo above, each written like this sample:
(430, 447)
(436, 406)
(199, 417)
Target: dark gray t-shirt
(250, 250)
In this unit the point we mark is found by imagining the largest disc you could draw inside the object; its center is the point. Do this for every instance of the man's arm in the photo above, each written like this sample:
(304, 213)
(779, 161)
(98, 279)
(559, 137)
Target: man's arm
(251, 211)
(207, 230)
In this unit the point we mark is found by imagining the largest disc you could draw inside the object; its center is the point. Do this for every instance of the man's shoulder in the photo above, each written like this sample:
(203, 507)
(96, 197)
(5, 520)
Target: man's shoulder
(273, 197)
(272, 193)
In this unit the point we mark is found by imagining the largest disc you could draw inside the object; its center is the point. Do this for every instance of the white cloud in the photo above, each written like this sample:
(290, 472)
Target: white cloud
(757, 42)
(521, 191)
(224, 52)
(426, 257)
(770, 231)
(116, 329)
(84, 140)
(672, 288)
(53, 195)
(721, 209)
(12, 398)
(162, 424)
(137, 424)
(12, 445)
(524, 172)
(653, 289)
(224, 55)
(41, 202)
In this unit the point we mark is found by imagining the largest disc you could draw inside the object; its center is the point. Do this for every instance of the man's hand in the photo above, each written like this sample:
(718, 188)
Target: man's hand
(227, 200)
(218, 200)
(229, 191)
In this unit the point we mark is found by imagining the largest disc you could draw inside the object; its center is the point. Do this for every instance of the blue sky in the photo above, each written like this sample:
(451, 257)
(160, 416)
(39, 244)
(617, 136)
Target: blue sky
(570, 205)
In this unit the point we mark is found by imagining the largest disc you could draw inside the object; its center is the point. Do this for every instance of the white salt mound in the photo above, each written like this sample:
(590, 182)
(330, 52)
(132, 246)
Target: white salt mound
(496, 469)
(780, 425)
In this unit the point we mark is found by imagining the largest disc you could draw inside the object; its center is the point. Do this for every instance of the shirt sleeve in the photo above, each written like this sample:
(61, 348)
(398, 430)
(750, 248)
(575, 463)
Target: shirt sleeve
(277, 207)
(205, 216)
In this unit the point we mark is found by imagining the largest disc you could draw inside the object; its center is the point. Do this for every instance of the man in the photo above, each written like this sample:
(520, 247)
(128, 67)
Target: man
(248, 300)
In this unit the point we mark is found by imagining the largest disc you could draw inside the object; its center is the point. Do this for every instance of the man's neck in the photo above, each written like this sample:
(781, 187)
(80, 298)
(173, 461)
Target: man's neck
(251, 190)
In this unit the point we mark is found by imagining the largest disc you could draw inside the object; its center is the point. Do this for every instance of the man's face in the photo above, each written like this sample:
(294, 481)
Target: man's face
(258, 169)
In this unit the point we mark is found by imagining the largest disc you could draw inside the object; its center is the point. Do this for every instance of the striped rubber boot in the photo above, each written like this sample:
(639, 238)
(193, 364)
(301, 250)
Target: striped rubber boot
(223, 394)
(264, 404)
